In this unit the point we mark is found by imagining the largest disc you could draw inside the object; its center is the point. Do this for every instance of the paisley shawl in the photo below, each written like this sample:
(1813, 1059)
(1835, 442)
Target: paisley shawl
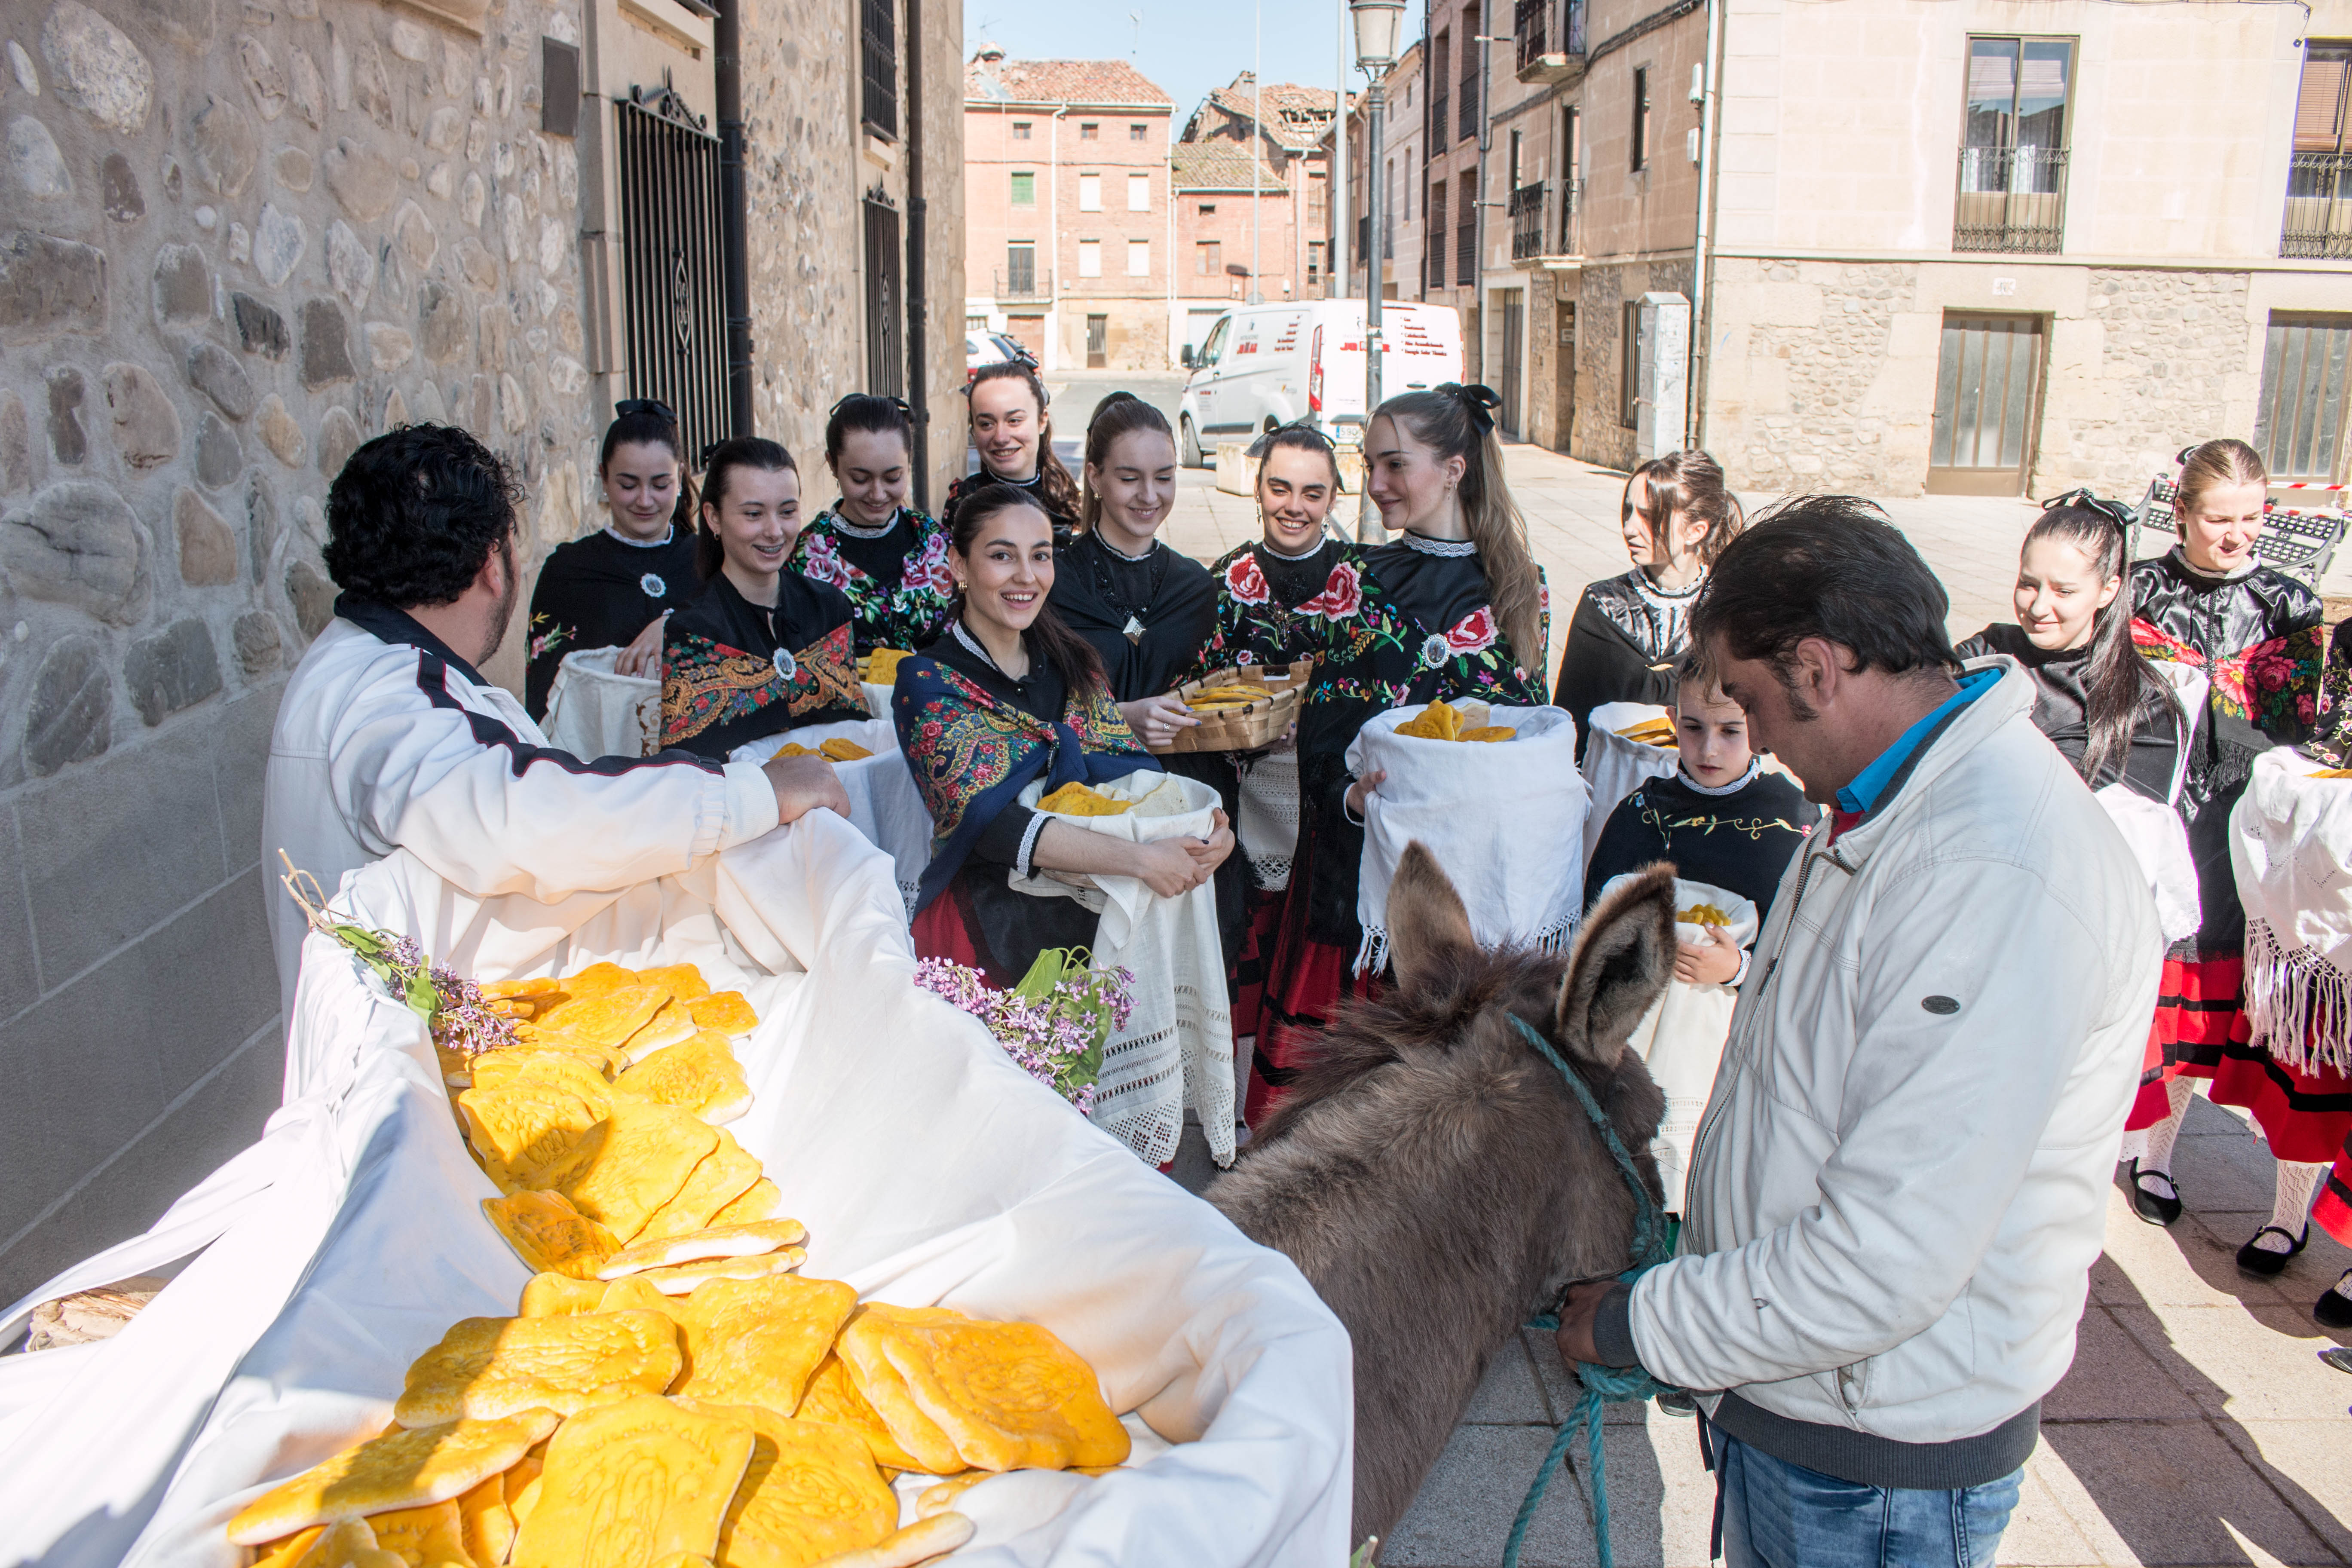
(971, 755)
(707, 683)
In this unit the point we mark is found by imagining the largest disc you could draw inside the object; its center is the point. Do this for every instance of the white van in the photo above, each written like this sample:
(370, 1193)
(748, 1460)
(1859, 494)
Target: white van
(1263, 366)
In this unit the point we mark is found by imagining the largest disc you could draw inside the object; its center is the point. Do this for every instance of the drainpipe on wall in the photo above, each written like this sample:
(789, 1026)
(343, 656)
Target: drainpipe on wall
(1478, 278)
(727, 48)
(1701, 343)
(1053, 232)
(919, 367)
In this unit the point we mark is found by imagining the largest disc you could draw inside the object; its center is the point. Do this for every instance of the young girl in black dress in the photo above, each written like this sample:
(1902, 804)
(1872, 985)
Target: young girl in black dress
(1006, 404)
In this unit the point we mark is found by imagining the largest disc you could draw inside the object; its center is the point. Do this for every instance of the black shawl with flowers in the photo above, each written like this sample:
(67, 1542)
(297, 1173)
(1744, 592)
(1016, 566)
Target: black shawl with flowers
(1258, 610)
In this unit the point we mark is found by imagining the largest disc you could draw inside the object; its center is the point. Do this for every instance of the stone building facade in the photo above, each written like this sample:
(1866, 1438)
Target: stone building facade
(238, 238)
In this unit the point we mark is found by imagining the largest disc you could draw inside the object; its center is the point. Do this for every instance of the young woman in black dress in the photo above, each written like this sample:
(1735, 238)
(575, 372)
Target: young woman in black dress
(614, 587)
(1010, 430)
(762, 649)
(887, 557)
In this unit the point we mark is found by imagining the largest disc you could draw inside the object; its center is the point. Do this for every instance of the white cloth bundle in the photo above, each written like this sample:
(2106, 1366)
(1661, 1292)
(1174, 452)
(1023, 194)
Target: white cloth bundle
(1176, 1052)
(1681, 1039)
(592, 712)
(1506, 820)
(2159, 842)
(2291, 847)
(1615, 766)
(884, 804)
(928, 1167)
(1268, 829)
(877, 698)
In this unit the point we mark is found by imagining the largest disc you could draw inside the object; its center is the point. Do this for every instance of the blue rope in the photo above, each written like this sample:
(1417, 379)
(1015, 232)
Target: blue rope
(1601, 1384)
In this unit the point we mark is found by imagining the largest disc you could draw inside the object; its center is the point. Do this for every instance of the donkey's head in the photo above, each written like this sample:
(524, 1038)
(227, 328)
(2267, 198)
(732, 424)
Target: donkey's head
(1437, 1082)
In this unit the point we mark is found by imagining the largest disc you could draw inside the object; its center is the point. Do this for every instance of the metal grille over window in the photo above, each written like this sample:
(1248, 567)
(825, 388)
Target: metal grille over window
(2012, 176)
(673, 295)
(1434, 242)
(2319, 170)
(1527, 221)
(886, 359)
(877, 32)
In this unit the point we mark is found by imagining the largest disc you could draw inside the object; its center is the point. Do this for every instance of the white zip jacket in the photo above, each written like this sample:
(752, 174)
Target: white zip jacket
(1900, 1182)
(386, 739)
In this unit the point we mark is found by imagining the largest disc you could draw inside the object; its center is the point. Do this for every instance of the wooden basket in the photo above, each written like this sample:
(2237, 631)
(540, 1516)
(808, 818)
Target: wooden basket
(1250, 728)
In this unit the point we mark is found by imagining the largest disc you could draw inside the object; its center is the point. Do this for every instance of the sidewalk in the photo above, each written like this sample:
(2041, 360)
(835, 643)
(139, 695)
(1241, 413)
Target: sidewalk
(2198, 1425)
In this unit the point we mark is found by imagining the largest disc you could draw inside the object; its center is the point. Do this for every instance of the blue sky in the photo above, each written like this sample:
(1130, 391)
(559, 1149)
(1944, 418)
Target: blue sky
(1188, 46)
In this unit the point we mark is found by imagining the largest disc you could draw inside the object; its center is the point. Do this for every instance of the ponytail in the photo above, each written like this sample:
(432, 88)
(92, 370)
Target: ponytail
(1049, 636)
(644, 421)
(1458, 421)
(2119, 686)
(1055, 485)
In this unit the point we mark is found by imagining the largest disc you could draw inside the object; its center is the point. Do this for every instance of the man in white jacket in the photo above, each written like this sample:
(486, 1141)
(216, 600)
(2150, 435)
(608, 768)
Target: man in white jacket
(388, 737)
(1900, 1182)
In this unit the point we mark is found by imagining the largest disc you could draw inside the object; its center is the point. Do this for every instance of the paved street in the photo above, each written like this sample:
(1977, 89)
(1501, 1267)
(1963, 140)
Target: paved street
(2198, 1425)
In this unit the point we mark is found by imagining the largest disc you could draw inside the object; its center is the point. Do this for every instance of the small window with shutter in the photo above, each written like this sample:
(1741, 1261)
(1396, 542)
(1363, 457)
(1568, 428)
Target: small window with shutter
(1090, 193)
(2318, 223)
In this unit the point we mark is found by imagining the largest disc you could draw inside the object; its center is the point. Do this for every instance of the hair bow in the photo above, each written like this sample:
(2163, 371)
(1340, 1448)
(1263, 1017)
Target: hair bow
(2081, 499)
(1304, 425)
(1480, 401)
(897, 403)
(628, 405)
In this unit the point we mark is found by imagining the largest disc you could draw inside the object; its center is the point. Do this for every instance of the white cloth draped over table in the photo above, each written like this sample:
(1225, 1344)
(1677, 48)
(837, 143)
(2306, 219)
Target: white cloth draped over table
(2291, 848)
(1681, 1038)
(884, 804)
(1504, 819)
(1615, 766)
(1176, 1052)
(1268, 829)
(593, 713)
(928, 1167)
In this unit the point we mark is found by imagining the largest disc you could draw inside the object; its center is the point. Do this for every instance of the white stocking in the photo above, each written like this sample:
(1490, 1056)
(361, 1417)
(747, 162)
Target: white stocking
(2158, 1161)
(2296, 1182)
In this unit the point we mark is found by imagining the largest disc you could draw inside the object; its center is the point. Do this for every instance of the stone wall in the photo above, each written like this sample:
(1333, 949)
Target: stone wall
(1601, 291)
(1825, 371)
(240, 237)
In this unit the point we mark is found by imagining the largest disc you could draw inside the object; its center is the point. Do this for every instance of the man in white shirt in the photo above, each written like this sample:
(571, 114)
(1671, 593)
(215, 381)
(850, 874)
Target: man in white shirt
(389, 738)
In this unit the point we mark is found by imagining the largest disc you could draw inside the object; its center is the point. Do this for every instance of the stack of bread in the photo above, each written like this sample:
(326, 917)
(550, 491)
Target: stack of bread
(1443, 721)
(670, 1394)
(837, 750)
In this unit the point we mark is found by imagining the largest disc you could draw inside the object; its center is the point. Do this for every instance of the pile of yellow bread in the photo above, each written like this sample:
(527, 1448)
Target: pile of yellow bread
(670, 1394)
(1656, 731)
(1443, 721)
(880, 668)
(837, 750)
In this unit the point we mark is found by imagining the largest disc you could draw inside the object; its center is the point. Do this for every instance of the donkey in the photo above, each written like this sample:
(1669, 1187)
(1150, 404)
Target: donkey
(1432, 1175)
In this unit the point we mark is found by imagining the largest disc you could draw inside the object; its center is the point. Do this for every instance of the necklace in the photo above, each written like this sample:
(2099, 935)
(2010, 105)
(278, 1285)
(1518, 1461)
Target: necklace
(1454, 548)
(858, 531)
(1105, 583)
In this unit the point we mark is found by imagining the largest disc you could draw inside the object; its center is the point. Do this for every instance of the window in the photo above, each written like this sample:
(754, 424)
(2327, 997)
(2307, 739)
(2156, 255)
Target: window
(1471, 57)
(1090, 130)
(1021, 268)
(1138, 258)
(1090, 259)
(886, 359)
(1313, 260)
(1208, 259)
(1434, 243)
(2299, 423)
(1139, 193)
(1090, 193)
(1024, 188)
(877, 31)
(1215, 349)
(1137, 130)
(2319, 170)
(1208, 209)
(1441, 57)
(2013, 183)
(1641, 142)
(1408, 182)
(1021, 130)
(1629, 366)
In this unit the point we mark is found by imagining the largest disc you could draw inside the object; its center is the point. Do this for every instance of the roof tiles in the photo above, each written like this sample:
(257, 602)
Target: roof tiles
(1104, 83)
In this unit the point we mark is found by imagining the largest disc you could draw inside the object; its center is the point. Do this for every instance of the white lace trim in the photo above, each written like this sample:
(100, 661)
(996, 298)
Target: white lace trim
(1755, 766)
(668, 533)
(859, 531)
(1020, 867)
(1114, 550)
(1454, 548)
(1309, 553)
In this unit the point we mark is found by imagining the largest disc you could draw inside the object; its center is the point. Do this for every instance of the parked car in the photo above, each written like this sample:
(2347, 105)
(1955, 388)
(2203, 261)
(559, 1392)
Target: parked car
(983, 349)
(1265, 365)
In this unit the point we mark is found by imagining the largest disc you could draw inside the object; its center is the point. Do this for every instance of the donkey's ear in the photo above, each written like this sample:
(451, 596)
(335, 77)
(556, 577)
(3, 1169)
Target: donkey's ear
(1427, 923)
(1623, 959)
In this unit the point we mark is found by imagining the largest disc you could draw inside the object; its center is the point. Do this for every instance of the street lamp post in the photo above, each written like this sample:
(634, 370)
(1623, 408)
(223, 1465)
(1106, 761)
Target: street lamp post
(1376, 32)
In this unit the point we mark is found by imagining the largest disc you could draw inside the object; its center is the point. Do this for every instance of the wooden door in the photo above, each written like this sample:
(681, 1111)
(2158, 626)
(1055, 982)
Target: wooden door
(1987, 404)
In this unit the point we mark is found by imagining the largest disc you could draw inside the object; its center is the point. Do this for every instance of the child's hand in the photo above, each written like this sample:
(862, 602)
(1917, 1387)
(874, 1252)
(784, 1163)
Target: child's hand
(1712, 963)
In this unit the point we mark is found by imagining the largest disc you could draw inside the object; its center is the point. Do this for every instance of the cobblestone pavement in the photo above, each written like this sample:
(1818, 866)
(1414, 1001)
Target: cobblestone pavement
(2198, 1425)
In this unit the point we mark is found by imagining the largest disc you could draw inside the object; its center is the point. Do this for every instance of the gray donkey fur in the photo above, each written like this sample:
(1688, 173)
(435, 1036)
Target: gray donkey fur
(1431, 1174)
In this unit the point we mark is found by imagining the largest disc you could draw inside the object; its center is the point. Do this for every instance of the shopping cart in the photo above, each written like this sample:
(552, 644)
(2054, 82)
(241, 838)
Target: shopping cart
(2298, 541)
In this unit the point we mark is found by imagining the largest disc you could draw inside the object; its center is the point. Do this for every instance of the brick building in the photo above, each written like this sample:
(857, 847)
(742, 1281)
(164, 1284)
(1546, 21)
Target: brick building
(1220, 200)
(234, 242)
(1068, 224)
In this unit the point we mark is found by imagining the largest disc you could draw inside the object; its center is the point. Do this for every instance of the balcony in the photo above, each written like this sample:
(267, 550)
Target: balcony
(1465, 254)
(1440, 106)
(1022, 283)
(2012, 199)
(2318, 206)
(1543, 53)
(1527, 222)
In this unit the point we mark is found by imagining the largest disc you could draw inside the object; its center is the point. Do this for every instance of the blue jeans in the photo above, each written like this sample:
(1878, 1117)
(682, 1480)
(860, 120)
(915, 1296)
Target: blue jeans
(1780, 1515)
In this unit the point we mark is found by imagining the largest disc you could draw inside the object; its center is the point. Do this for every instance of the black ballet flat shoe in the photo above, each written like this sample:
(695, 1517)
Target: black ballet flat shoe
(2154, 1207)
(2261, 1260)
(2335, 1308)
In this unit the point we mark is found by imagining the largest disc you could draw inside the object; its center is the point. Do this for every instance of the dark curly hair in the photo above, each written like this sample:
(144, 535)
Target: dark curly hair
(415, 512)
